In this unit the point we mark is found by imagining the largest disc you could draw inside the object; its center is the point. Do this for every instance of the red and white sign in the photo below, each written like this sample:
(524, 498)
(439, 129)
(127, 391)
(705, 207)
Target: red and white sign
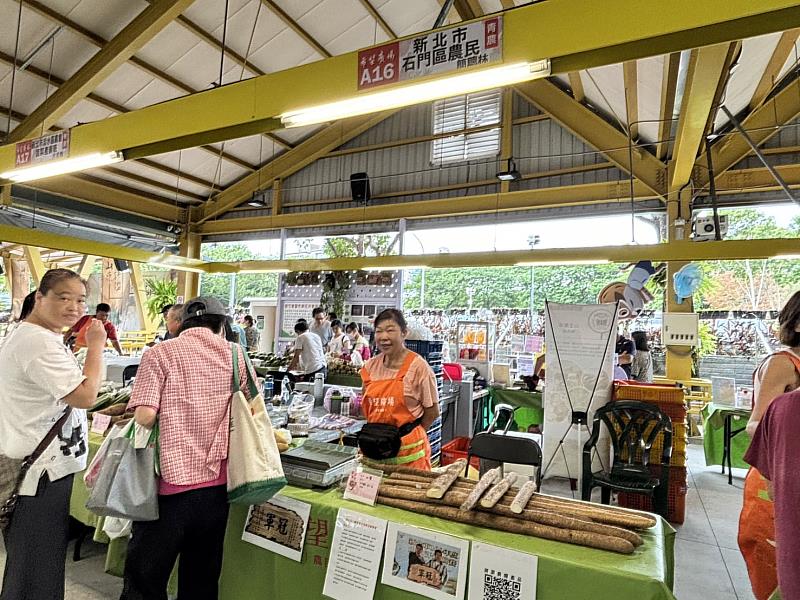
(440, 51)
(42, 149)
(362, 487)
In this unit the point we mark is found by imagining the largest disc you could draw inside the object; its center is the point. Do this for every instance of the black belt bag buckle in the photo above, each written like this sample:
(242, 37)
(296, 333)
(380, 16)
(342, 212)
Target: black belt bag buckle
(380, 441)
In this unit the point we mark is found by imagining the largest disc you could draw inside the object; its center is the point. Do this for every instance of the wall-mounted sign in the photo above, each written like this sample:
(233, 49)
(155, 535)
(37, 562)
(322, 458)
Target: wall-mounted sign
(42, 149)
(439, 51)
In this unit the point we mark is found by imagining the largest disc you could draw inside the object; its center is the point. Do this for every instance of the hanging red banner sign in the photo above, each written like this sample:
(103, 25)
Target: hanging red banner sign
(42, 149)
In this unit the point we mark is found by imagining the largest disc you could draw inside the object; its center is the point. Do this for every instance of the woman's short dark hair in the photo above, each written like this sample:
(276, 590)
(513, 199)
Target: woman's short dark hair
(27, 306)
(640, 339)
(248, 319)
(213, 322)
(300, 327)
(336, 323)
(353, 327)
(54, 276)
(788, 320)
(392, 314)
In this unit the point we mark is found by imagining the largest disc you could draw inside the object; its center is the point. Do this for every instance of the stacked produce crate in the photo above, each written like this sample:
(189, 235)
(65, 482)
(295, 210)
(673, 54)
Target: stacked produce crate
(431, 351)
(671, 400)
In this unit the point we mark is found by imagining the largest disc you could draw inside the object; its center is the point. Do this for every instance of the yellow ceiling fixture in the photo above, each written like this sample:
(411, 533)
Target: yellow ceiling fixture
(417, 93)
(558, 263)
(60, 167)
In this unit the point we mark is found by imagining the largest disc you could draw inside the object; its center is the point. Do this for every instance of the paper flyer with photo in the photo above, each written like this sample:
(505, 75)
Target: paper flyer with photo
(425, 562)
(501, 574)
(279, 526)
(355, 559)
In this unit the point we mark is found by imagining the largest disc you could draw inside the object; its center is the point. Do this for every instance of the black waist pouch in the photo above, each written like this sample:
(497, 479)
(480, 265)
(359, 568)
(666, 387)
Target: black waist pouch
(380, 441)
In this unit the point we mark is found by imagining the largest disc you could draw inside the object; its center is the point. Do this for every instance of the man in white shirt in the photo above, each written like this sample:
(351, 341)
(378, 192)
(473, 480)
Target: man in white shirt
(309, 355)
(321, 326)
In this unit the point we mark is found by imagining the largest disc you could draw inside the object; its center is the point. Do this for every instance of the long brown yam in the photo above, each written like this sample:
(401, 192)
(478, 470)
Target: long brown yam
(581, 538)
(544, 517)
(489, 478)
(609, 515)
(524, 494)
(442, 483)
(498, 490)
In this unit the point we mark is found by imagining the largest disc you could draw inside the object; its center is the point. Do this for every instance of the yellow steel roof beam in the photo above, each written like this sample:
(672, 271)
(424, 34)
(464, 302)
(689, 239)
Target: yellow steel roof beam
(669, 84)
(317, 146)
(596, 132)
(603, 32)
(783, 50)
(702, 80)
(124, 45)
(761, 124)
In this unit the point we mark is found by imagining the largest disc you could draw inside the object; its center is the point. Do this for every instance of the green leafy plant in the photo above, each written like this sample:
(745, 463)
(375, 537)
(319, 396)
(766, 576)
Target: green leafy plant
(160, 292)
(334, 291)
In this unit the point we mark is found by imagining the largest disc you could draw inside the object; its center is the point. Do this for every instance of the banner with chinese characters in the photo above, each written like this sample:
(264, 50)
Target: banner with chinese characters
(42, 149)
(439, 51)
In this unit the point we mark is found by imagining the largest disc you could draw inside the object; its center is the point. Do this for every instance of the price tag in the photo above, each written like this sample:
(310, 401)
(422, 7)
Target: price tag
(100, 423)
(362, 487)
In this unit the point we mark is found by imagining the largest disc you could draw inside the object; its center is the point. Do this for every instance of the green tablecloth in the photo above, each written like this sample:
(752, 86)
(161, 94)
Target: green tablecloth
(565, 571)
(528, 406)
(713, 443)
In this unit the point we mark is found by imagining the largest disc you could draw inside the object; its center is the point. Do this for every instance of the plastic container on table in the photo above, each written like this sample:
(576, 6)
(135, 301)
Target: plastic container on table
(457, 449)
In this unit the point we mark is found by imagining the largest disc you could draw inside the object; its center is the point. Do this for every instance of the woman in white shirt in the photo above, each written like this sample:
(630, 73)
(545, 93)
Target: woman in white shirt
(340, 343)
(41, 378)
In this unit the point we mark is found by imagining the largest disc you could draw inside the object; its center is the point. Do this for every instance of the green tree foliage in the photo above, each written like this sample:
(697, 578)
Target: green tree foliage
(510, 287)
(250, 285)
(160, 293)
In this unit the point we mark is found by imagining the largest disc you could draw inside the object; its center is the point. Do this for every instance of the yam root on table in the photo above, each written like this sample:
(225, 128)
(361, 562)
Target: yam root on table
(599, 513)
(524, 494)
(455, 498)
(498, 490)
(489, 478)
(442, 483)
(481, 519)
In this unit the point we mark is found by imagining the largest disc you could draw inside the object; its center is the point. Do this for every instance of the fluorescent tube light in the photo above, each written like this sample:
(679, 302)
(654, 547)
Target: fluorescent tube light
(556, 262)
(416, 93)
(787, 256)
(60, 167)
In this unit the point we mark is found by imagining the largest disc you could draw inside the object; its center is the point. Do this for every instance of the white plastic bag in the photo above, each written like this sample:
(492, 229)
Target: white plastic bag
(356, 359)
(114, 527)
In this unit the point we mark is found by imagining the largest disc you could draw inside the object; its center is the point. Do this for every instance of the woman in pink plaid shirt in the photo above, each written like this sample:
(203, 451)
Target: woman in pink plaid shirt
(185, 383)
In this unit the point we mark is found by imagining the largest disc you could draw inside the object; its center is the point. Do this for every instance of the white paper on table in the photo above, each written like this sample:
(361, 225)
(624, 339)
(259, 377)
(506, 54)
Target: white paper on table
(411, 562)
(279, 526)
(355, 558)
(501, 574)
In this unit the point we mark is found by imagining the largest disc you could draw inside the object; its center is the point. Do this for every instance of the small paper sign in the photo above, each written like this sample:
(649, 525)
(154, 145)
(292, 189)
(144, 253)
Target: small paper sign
(362, 487)
(100, 423)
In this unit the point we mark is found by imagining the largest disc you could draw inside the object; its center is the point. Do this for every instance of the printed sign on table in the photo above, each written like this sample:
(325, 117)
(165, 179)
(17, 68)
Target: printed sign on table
(278, 525)
(100, 423)
(355, 558)
(534, 344)
(501, 574)
(362, 487)
(439, 51)
(42, 149)
(427, 563)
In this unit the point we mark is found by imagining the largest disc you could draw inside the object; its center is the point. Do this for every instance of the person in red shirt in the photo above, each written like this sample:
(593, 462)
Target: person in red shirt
(78, 331)
(186, 383)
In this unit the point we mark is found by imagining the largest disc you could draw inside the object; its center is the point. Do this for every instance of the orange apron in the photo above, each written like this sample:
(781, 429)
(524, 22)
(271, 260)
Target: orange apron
(757, 529)
(384, 402)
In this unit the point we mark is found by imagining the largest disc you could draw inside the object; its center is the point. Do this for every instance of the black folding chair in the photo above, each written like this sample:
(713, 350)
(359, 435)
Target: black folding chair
(633, 428)
(506, 446)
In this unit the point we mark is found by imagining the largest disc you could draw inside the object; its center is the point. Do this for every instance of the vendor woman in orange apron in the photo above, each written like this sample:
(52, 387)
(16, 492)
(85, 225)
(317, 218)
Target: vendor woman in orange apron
(778, 374)
(400, 388)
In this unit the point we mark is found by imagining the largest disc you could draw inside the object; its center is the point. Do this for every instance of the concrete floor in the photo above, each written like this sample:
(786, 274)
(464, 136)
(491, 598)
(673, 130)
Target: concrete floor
(708, 565)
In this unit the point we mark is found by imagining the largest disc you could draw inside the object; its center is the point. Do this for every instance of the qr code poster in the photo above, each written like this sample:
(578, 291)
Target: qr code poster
(425, 562)
(501, 574)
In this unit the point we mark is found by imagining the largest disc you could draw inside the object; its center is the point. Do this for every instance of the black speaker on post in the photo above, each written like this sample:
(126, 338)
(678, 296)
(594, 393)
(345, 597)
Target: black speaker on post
(121, 265)
(359, 187)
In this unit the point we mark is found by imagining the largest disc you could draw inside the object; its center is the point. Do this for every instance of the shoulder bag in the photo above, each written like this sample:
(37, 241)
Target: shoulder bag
(13, 471)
